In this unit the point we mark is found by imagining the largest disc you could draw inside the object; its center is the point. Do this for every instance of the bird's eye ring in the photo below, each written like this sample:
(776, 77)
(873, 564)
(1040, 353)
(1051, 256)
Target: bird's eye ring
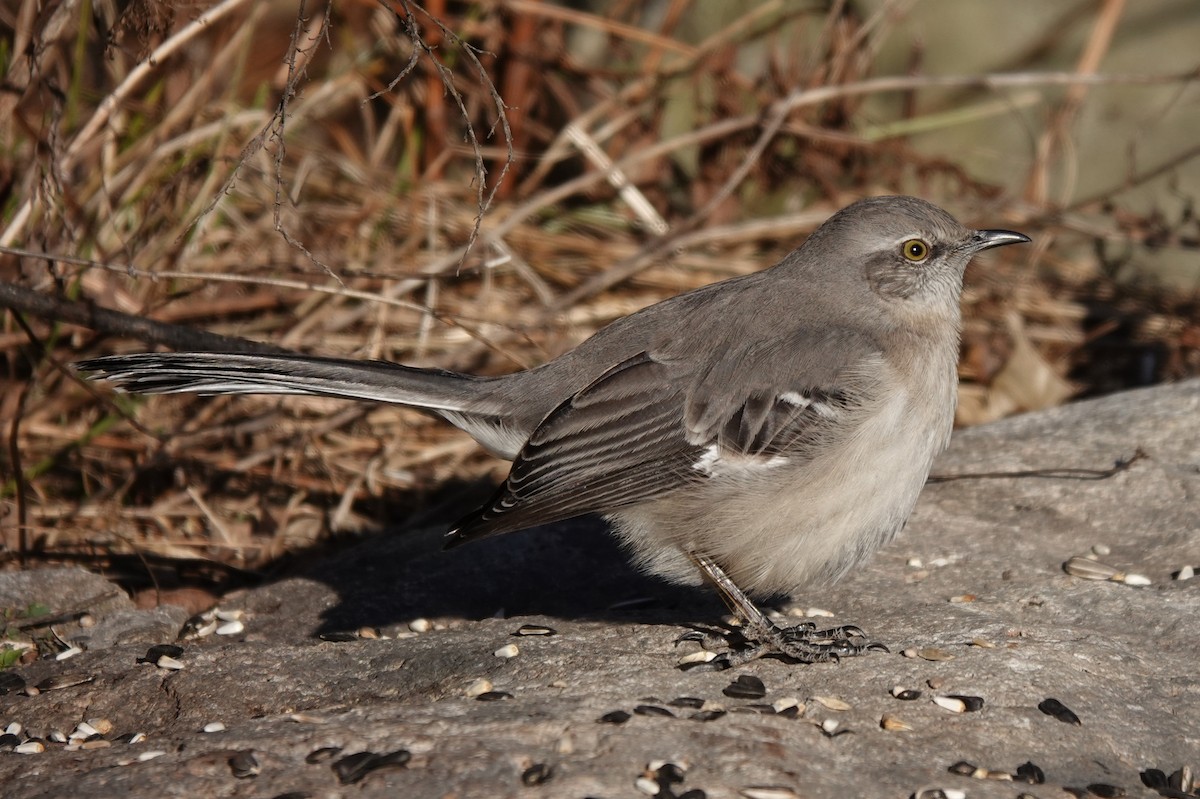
(915, 250)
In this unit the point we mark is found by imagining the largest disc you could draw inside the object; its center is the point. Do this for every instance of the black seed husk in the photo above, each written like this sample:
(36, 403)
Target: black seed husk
(908, 695)
(962, 767)
(244, 764)
(1154, 778)
(707, 715)
(494, 696)
(615, 717)
(537, 774)
(159, 650)
(687, 701)
(746, 686)
(971, 704)
(339, 637)
(11, 682)
(9, 741)
(1030, 773)
(1106, 791)
(790, 712)
(322, 754)
(670, 774)
(397, 757)
(652, 710)
(1052, 707)
(352, 768)
(694, 793)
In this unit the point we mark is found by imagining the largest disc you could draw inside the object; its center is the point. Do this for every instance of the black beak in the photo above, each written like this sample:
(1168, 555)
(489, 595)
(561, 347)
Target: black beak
(986, 239)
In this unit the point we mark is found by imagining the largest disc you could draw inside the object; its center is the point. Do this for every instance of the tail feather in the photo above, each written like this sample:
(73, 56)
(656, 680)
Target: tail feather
(235, 373)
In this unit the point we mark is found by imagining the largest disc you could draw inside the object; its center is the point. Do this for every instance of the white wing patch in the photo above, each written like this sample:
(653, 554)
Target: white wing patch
(715, 463)
(802, 402)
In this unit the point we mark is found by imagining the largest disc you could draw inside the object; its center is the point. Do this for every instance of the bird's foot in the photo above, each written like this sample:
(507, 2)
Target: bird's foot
(802, 643)
(761, 637)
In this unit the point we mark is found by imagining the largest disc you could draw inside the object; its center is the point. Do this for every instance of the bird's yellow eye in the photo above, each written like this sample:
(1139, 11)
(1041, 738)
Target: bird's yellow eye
(915, 250)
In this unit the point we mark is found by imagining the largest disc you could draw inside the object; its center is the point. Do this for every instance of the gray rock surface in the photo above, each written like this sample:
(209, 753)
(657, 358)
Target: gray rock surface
(990, 592)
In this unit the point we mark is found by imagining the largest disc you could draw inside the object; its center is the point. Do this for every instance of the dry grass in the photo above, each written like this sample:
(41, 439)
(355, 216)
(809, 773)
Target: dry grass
(333, 184)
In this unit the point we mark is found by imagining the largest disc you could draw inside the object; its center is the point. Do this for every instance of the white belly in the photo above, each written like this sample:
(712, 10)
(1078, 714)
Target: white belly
(793, 525)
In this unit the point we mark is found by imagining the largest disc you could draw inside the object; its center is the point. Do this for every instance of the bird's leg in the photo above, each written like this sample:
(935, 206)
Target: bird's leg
(803, 643)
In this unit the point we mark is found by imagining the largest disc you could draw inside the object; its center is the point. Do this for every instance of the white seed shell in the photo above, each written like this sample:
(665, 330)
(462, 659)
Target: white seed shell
(1087, 569)
(646, 786)
(102, 726)
(480, 686)
(206, 629)
(951, 704)
(832, 702)
(235, 627)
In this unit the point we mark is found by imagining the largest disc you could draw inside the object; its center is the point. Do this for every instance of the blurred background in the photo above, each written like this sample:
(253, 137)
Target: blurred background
(478, 186)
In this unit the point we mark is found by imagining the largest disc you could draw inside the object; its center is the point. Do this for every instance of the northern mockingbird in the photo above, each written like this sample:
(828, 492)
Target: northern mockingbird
(767, 432)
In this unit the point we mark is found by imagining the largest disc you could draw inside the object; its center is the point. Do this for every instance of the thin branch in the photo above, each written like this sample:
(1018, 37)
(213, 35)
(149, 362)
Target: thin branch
(111, 322)
(484, 197)
(297, 69)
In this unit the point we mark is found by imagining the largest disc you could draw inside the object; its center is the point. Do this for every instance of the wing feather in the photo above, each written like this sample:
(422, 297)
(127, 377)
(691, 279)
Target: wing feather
(648, 427)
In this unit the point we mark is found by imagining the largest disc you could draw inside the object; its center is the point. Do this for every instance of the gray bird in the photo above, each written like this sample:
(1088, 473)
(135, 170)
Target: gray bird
(767, 432)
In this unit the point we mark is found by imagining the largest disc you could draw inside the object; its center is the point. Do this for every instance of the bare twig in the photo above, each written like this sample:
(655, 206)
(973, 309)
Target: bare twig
(484, 196)
(1056, 135)
(299, 55)
(112, 322)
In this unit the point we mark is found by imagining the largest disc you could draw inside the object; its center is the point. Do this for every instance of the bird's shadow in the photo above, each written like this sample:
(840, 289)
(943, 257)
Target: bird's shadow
(568, 570)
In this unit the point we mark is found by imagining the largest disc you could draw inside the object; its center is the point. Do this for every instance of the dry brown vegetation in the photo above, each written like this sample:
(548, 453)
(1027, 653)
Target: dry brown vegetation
(345, 179)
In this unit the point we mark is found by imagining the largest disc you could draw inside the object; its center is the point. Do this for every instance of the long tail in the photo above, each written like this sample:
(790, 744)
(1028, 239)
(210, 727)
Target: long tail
(231, 373)
(466, 401)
